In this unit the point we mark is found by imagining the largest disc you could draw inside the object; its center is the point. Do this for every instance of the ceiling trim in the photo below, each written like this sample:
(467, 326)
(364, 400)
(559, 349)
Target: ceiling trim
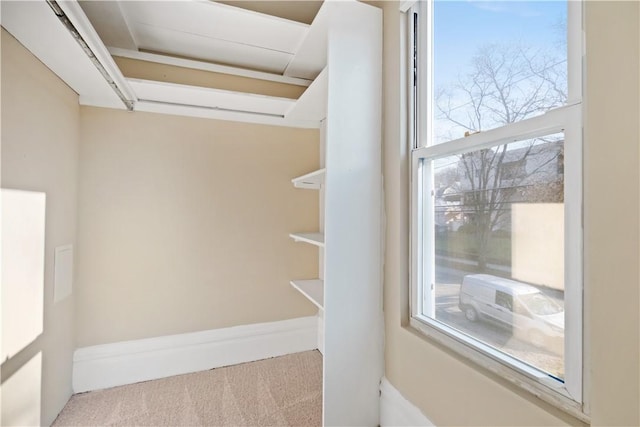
(206, 66)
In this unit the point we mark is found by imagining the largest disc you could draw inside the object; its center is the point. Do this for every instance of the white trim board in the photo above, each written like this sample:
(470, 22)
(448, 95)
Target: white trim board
(128, 362)
(395, 410)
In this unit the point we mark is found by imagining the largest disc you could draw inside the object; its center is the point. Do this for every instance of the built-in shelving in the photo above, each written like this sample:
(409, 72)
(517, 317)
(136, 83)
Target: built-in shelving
(342, 51)
(316, 239)
(313, 180)
(312, 289)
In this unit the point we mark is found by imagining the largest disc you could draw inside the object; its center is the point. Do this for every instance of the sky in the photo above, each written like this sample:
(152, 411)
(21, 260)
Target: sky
(461, 27)
(464, 25)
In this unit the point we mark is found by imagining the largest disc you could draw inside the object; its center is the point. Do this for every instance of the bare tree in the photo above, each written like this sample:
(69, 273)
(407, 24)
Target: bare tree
(506, 84)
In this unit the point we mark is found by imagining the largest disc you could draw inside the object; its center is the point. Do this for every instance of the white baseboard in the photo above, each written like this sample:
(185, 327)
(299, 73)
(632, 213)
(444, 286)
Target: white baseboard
(395, 410)
(129, 362)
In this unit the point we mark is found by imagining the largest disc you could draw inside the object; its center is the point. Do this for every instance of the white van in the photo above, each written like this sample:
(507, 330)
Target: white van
(530, 314)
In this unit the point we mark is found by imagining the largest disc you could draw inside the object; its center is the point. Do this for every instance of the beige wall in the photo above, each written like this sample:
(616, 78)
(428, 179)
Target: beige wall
(611, 215)
(183, 224)
(40, 135)
(451, 391)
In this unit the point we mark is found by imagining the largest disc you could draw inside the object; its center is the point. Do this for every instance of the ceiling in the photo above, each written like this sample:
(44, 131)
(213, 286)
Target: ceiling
(77, 41)
(258, 35)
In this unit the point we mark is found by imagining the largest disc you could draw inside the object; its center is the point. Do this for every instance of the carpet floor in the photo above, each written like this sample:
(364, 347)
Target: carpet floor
(283, 391)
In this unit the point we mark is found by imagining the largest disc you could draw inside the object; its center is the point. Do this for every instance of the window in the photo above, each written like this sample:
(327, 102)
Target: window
(504, 300)
(497, 188)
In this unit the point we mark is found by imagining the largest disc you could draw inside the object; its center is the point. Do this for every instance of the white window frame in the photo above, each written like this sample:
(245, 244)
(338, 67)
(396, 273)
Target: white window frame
(569, 395)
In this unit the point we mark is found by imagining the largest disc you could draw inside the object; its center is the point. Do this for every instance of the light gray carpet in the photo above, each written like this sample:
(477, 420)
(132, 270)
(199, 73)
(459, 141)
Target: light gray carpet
(283, 391)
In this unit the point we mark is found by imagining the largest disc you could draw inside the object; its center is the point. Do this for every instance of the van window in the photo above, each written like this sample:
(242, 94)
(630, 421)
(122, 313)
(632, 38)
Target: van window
(505, 300)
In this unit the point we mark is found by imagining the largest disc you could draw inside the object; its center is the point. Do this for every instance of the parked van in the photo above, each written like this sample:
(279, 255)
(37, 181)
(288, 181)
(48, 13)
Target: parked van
(530, 314)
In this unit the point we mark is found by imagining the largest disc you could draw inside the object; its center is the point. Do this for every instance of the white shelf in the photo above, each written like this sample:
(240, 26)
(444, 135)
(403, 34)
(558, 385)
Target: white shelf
(312, 289)
(311, 238)
(313, 180)
(196, 96)
(312, 104)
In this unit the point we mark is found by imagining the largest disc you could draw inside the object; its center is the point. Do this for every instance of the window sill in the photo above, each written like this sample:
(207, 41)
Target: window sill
(517, 373)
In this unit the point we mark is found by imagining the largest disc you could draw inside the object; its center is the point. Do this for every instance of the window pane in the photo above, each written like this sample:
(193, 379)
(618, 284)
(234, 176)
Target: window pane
(498, 238)
(495, 62)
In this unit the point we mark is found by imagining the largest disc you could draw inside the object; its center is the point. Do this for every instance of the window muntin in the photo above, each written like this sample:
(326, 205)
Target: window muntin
(558, 381)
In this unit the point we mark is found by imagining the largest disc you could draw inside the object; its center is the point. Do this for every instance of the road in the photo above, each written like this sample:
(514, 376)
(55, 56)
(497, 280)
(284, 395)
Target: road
(448, 282)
